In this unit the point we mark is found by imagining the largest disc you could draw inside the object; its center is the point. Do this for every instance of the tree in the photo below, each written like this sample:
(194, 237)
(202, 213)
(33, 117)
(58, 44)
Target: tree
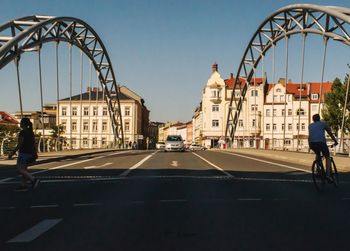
(334, 106)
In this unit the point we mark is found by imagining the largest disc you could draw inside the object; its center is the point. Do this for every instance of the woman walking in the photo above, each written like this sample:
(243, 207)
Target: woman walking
(26, 154)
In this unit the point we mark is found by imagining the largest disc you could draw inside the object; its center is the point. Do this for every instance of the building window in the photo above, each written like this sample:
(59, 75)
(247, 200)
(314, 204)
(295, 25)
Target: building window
(74, 126)
(314, 96)
(94, 141)
(86, 111)
(303, 126)
(240, 123)
(253, 123)
(268, 114)
(301, 112)
(289, 112)
(278, 90)
(290, 127)
(282, 98)
(94, 126)
(215, 108)
(103, 141)
(251, 143)
(297, 126)
(215, 123)
(127, 126)
(74, 141)
(254, 108)
(268, 127)
(215, 94)
(274, 112)
(283, 112)
(104, 126)
(105, 111)
(74, 111)
(86, 126)
(282, 127)
(85, 142)
(274, 127)
(274, 98)
(95, 111)
(64, 125)
(127, 111)
(64, 111)
(254, 93)
(287, 142)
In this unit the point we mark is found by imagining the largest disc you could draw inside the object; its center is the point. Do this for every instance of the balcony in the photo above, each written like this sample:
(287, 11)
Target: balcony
(215, 99)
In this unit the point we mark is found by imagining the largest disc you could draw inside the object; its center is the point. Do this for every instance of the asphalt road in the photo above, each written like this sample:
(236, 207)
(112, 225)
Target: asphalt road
(149, 200)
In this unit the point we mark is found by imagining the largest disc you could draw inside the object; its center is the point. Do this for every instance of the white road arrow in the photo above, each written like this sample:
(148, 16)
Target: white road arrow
(174, 163)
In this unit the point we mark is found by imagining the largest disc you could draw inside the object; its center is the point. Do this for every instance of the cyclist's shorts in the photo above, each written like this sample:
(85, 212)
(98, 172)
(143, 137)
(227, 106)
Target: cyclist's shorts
(319, 147)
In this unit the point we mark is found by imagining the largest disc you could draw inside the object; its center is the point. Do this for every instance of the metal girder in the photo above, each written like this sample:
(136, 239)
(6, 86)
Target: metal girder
(23, 34)
(327, 21)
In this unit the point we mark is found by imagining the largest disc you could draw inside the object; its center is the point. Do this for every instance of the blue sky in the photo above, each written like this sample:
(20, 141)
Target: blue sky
(163, 49)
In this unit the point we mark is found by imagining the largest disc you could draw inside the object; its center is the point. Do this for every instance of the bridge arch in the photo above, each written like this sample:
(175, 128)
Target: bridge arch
(330, 22)
(27, 33)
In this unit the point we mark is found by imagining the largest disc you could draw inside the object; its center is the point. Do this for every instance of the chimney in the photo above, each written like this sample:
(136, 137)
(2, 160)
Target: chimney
(214, 67)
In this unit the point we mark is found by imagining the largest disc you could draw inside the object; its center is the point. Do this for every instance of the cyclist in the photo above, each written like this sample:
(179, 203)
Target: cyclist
(317, 140)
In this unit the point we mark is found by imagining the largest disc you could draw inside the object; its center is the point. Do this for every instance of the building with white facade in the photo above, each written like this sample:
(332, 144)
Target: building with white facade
(86, 122)
(273, 116)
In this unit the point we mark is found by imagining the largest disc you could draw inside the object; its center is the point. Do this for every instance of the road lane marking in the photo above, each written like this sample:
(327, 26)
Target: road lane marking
(175, 200)
(249, 199)
(210, 163)
(44, 206)
(7, 208)
(85, 204)
(35, 231)
(69, 164)
(269, 162)
(89, 167)
(174, 163)
(126, 172)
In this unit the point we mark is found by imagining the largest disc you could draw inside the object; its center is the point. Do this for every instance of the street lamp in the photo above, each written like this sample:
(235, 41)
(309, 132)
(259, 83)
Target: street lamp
(341, 144)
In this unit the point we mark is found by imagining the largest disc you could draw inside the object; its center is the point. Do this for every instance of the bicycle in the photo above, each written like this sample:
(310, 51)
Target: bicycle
(319, 174)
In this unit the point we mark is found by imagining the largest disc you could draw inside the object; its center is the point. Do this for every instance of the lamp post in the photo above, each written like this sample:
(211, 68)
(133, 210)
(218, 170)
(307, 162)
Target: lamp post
(341, 144)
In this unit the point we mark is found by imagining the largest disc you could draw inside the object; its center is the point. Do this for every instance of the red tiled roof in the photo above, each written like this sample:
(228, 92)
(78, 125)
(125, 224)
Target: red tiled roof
(6, 118)
(231, 81)
(308, 89)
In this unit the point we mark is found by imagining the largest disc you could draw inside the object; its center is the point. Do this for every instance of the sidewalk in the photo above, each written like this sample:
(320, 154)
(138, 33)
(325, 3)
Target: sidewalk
(301, 158)
(55, 156)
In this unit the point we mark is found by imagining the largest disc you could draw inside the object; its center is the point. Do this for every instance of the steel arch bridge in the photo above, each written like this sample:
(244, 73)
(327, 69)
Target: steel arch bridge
(27, 33)
(327, 21)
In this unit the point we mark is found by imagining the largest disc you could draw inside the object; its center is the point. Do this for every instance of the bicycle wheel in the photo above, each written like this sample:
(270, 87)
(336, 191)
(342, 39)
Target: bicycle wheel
(334, 174)
(318, 176)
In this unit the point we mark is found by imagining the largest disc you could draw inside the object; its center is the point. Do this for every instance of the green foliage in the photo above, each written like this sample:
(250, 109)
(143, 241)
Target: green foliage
(335, 101)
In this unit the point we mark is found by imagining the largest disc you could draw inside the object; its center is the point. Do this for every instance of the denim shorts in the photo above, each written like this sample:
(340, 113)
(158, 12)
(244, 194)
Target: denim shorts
(25, 158)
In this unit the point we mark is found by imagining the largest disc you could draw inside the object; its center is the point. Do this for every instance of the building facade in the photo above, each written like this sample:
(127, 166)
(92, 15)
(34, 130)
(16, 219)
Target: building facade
(86, 123)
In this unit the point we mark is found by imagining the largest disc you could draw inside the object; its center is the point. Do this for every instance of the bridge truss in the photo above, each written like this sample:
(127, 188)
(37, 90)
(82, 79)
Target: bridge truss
(327, 21)
(30, 33)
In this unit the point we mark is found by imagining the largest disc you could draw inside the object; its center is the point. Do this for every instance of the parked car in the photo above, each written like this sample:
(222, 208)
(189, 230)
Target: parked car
(174, 143)
(160, 145)
(195, 147)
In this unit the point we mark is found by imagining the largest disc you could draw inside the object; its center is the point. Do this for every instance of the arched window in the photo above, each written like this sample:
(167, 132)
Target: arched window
(278, 90)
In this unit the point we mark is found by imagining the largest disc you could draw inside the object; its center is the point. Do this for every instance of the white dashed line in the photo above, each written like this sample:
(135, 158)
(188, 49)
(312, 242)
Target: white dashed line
(249, 199)
(177, 200)
(86, 204)
(35, 231)
(126, 172)
(44, 206)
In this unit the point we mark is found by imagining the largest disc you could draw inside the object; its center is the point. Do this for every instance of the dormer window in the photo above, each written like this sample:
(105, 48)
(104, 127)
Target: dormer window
(301, 89)
(278, 90)
(314, 96)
